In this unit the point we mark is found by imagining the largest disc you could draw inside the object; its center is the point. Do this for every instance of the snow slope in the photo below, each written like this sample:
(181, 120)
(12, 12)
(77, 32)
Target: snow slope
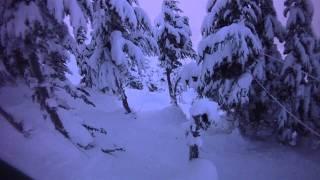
(154, 142)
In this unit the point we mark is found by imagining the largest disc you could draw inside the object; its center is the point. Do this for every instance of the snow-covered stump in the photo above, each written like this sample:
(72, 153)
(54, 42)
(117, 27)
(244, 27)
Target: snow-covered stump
(200, 123)
(204, 113)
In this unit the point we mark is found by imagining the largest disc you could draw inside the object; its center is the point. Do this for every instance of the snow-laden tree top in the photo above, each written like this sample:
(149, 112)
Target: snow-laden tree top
(173, 34)
(122, 36)
(222, 13)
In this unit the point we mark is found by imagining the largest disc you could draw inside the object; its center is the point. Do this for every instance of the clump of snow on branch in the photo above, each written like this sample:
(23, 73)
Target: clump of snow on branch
(236, 39)
(221, 48)
(189, 74)
(214, 7)
(121, 48)
(26, 12)
(125, 11)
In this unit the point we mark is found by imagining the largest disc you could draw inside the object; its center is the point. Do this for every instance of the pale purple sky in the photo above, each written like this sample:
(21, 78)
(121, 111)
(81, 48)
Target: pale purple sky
(196, 11)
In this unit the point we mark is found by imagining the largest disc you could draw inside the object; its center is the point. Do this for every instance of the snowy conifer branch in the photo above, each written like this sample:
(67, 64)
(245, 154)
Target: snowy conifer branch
(314, 132)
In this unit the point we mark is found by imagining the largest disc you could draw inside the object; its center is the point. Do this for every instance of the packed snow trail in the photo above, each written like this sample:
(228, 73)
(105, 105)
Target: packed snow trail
(154, 142)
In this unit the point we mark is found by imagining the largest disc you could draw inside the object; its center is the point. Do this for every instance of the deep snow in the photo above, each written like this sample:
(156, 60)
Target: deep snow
(153, 139)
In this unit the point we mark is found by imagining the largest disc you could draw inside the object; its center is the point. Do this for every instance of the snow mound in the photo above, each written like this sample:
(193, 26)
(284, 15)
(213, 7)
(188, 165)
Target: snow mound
(200, 169)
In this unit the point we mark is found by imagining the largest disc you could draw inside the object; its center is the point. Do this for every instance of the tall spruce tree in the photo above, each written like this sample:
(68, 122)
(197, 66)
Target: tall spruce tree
(174, 40)
(300, 46)
(229, 51)
(121, 37)
(315, 100)
(262, 110)
(34, 41)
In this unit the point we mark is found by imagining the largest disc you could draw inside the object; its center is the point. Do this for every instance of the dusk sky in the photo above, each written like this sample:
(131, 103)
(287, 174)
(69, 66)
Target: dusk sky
(196, 11)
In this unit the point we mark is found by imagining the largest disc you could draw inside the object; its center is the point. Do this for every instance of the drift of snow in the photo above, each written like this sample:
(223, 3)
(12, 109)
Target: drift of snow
(199, 169)
(154, 141)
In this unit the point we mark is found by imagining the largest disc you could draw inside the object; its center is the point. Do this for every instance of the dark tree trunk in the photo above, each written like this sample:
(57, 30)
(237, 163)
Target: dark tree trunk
(175, 89)
(123, 95)
(18, 126)
(171, 90)
(193, 152)
(54, 116)
(125, 102)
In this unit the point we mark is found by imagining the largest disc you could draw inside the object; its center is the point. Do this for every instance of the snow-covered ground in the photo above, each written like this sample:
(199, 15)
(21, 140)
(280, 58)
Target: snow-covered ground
(153, 139)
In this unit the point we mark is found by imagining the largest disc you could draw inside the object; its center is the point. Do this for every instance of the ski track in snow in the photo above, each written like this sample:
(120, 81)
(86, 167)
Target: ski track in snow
(156, 148)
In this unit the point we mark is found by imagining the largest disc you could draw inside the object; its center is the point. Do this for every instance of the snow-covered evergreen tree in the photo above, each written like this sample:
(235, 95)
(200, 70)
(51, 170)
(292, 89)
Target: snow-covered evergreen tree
(121, 37)
(262, 110)
(229, 51)
(299, 64)
(315, 101)
(174, 40)
(34, 41)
